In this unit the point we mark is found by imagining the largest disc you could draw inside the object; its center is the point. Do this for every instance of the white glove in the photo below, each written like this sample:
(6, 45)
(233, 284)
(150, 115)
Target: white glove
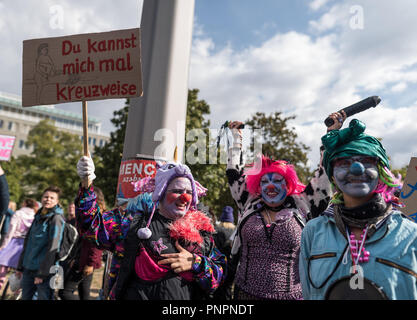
(85, 168)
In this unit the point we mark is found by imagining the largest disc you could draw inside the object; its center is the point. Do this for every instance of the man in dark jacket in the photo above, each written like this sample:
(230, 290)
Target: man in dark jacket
(223, 239)
(81, 269)
(41, 247)
(5, 215)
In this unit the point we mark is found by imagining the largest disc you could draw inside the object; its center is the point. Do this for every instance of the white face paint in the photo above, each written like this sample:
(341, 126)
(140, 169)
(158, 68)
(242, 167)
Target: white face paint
(177, 199)
(273, 189)
(356, 176)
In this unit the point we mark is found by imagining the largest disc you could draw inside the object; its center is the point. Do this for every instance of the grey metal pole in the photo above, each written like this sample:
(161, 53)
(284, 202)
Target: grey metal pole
(166, 33)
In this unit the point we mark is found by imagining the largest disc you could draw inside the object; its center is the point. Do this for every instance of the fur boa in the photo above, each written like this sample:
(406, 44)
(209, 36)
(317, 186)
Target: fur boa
(189, 226)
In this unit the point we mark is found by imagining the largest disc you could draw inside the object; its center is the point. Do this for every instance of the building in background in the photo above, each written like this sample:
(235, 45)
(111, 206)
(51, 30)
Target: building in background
(18, 121)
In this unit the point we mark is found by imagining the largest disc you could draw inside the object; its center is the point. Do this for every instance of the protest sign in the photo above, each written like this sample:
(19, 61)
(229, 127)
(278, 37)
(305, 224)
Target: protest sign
(82, 67)
(6, 147)
(408, 196)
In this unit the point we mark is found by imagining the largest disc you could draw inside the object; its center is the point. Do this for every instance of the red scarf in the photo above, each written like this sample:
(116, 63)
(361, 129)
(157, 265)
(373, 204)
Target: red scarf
(189, 226)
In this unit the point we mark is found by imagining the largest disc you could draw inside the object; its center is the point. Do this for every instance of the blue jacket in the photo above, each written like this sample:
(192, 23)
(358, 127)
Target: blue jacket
(392, 263)
(5, 213)
(42, 242)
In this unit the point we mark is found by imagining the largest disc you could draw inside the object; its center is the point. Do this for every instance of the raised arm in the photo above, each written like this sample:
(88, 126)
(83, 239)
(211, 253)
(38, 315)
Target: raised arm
(104, 228)
(235, 167)
(318, 192)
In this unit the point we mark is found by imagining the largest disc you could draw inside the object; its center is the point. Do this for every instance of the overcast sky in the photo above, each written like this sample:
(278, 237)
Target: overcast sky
(306, 58)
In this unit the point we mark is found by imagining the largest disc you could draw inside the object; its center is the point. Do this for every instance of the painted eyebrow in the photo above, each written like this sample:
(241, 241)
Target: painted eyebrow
(174, 190)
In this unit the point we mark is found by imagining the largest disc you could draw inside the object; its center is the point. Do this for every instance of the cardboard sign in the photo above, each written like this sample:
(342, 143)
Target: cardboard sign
(6, 147)
(131, 171)
(82, 67)
(408, 193)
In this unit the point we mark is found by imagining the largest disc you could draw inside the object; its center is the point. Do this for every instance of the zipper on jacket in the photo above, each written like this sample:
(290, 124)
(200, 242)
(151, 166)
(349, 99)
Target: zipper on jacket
(323, 255)
(397, 266)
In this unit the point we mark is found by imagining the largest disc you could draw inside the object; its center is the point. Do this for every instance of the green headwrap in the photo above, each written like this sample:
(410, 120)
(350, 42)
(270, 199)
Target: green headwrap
(351, 142)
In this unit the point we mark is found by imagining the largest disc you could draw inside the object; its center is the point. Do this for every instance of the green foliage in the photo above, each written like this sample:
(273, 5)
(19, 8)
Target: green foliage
(14, 174)
(402, 171)
(107, 158)
(279, 142)
(52, 162)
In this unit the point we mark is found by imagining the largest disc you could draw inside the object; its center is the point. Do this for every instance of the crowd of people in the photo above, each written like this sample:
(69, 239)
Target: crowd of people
(341, 236)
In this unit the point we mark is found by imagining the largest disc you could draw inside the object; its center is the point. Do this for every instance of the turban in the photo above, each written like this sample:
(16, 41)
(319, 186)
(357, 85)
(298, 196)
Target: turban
(349, 142)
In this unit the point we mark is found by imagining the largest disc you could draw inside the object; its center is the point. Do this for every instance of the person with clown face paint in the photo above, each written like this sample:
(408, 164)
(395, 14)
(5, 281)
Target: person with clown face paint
(163, 246)
(362, 247)
(273, 209)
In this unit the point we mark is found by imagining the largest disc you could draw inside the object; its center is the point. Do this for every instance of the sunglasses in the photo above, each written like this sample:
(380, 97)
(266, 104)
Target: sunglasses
(347, 162)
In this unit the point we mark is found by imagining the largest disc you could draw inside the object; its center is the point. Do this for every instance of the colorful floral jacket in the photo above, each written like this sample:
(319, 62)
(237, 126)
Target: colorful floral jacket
(109, 229)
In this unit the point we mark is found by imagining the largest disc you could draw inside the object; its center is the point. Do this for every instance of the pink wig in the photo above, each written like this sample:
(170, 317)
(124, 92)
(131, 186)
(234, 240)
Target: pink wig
(388, 184)
(254, 176)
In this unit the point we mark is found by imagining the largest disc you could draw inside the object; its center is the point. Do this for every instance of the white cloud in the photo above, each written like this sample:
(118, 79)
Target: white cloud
(317, 4)
(399, 87)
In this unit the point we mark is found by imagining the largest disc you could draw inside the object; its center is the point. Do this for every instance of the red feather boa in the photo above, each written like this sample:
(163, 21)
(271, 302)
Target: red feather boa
(189, 226)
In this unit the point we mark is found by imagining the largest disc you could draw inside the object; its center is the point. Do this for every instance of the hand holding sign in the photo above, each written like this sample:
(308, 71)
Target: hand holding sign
(85, 169)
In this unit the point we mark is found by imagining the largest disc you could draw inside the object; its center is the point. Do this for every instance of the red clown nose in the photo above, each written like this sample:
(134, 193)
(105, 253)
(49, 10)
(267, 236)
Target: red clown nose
(185, 197)
(270, 187)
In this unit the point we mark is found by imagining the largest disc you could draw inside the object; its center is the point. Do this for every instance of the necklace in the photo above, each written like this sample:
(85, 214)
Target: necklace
(269, 218)
(357, 249)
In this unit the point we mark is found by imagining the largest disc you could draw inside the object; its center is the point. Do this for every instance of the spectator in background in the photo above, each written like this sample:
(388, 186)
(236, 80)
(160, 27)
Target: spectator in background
(225, 230)
(87, 258)
(12, 245)
(223, 239)
(70, 218)
(41, 247)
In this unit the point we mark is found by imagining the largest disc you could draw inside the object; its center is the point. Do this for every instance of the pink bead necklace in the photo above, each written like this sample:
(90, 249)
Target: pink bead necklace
(357, 249)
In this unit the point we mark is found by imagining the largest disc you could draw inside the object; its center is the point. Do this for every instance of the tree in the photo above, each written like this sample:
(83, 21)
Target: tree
(108, 157)
(14, 174)
(279, 142)
(52, 162)
(402, 172)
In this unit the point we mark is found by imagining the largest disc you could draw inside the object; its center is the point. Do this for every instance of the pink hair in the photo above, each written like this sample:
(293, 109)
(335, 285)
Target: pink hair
(254, 176)
(388, 183)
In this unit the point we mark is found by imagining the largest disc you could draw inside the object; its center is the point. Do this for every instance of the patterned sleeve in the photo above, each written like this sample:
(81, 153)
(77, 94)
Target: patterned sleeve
(105, 229)
(316, 196)
(235, 176)
(210, 271)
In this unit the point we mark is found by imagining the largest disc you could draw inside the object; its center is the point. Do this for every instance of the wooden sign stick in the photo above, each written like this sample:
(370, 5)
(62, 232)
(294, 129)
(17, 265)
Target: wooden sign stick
(85, 182)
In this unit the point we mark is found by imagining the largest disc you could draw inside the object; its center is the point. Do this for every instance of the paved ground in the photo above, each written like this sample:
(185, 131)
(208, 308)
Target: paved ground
(95, 286)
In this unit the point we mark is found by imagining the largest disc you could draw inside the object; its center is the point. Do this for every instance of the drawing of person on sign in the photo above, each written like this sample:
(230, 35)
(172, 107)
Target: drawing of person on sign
(44, 69)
